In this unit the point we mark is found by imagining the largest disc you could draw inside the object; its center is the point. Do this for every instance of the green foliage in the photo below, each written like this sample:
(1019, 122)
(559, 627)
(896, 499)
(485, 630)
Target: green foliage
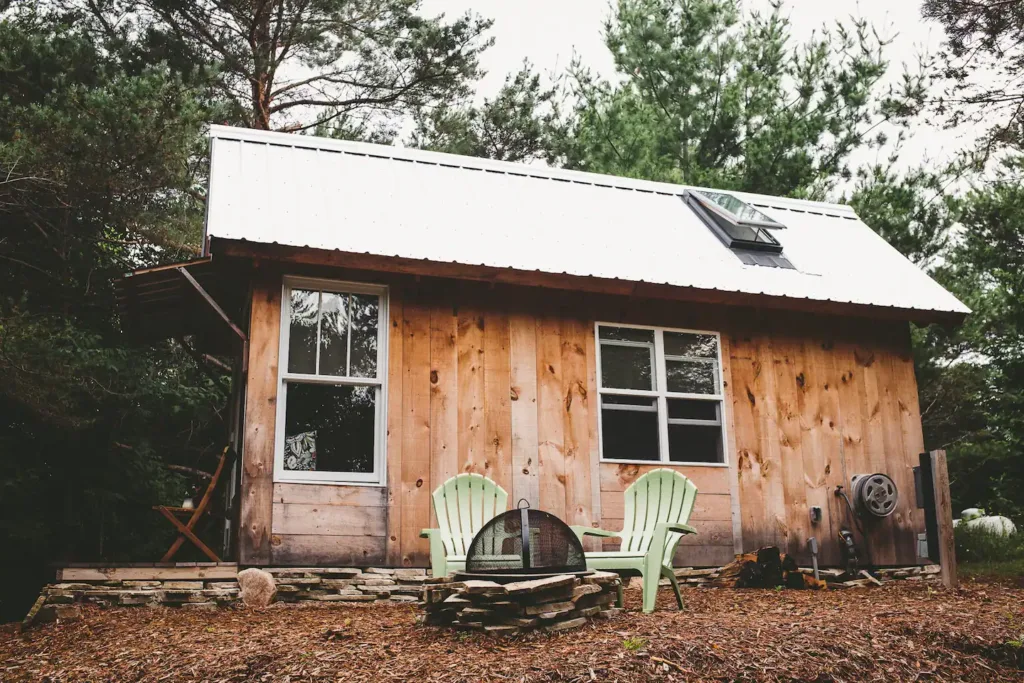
(978, 545)
(100, 174)
(514, 126)
(298, 65)
(634, 643)
(710, 98)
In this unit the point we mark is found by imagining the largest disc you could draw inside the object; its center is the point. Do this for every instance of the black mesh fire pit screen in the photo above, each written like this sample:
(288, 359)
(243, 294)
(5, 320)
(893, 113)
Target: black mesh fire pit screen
(525, 541)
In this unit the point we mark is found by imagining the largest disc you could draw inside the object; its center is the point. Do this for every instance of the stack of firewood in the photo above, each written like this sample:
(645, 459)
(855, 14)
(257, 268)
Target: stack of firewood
(549, 604)
(766, 568)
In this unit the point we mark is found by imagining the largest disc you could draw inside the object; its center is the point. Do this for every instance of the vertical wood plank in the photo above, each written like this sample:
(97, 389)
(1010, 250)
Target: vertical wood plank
(944, 516)
(416, 487)
(523, 371)
(550, 425)
(731, 455)
(260, 421)
(593, 415)
(444, 382)
(395, 374)
(497, 390)
(576, 427)
(791, 385)
(471, 392)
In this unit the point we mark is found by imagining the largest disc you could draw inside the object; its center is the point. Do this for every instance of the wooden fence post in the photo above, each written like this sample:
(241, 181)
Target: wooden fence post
(944, 516)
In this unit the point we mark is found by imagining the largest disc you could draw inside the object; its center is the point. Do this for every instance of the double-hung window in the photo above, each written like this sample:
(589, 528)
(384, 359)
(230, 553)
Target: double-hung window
(330, 409)
(661, 395)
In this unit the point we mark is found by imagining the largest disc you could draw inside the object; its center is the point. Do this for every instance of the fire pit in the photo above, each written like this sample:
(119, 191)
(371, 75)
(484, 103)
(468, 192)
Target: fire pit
(524, 544)
(525, 569)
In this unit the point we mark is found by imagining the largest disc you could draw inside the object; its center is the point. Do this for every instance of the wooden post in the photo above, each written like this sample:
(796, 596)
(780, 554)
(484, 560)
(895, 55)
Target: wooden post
(944, 515)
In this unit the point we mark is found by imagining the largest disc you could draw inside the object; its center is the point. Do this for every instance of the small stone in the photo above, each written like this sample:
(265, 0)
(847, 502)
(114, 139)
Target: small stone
(134, 598)
(76, 586)
(334, 597)
(258, 587)
(608, 613)
(306, 581)
(520, 622)
(287, 590)
(382, 591)
(412, 580)
(68, 612)
(339, 583)
(405, 590)
(548, 616)
(931, 569)
(147, 584)
(380, 570)
(404, 598)
(588, 612)
(601, 578)
(33, 613)
(477, 613)
(362, 597)
(182, 585)
(563, 625)
(411, 573)
(60, 598)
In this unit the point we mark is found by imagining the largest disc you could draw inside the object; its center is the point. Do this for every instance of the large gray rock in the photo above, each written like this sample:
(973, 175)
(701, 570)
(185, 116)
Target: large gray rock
(257, 587)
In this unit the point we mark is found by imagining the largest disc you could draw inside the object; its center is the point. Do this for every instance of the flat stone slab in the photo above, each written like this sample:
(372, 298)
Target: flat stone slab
(538, 585)
(475, 587)
(601, 578)
(549, 607)
(585, 589)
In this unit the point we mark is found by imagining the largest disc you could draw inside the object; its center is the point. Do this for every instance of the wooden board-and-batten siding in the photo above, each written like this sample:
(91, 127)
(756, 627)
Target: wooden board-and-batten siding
(502, 381)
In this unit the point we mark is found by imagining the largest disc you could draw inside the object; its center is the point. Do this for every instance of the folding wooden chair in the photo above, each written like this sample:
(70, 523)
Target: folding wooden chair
(196, 513)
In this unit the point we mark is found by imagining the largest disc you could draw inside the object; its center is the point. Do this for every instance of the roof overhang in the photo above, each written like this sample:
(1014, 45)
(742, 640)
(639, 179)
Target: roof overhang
(199, 299)
(307, 256)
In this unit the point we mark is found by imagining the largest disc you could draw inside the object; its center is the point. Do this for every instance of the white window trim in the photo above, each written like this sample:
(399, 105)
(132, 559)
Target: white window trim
(379, 475)
(662, 396)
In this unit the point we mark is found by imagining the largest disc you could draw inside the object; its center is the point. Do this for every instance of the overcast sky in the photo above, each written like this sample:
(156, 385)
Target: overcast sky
(550, 32)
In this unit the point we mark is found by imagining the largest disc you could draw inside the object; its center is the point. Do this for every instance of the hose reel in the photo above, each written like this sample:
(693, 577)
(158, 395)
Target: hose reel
(874, 495)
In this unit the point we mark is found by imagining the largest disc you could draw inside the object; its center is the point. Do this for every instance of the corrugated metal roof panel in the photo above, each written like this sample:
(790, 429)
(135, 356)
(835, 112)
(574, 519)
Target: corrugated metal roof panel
(354, 197)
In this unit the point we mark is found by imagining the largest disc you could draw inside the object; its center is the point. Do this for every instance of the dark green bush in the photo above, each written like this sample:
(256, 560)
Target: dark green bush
(975, 544)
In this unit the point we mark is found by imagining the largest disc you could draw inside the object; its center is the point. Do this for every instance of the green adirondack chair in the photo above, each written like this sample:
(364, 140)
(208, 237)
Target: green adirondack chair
(657, 508)
(463, 504)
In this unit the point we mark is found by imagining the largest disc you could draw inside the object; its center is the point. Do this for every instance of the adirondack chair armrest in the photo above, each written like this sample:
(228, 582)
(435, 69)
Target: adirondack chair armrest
(582, 531)
(678, 528)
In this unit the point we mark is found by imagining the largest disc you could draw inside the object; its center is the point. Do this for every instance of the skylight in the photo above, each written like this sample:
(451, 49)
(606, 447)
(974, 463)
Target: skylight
(736, 223)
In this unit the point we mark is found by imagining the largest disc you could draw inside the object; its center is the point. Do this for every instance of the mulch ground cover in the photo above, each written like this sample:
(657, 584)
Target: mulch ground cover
(900, 632)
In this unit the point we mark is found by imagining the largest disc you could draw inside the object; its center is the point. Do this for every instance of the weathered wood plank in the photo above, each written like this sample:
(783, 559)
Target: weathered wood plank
(790, 386)
(615, 477)
(708, 506)
(576, 424)
(523, 396)
(597, 504)
(472, 440)
(731, 453)
(71, 574)
(444, 383)
(709, 532)
(416, 485)
(260, 420)
(396, 366)
(315, 494)
(329, 520)
(944, 515)
(497, 421)
(550, 424)
(329, 551)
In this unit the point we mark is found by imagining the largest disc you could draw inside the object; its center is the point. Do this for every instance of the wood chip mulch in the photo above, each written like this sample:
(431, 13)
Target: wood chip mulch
(900, 632)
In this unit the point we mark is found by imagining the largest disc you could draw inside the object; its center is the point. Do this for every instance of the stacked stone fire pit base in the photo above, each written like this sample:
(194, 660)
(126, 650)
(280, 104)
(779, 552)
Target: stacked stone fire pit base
(549, 604)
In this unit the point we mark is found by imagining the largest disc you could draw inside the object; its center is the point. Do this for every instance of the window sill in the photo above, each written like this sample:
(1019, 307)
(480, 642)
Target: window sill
(664, 464)
(329, 482)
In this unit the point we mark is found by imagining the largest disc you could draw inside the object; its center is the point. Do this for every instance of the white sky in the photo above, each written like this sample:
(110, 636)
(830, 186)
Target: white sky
(550, 32)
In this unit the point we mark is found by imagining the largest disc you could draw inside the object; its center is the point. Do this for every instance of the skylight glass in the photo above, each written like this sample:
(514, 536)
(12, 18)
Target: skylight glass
(740, 211)
(736, 223)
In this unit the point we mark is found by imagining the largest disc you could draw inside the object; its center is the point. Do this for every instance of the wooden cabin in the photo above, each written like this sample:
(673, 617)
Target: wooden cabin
(402, 316)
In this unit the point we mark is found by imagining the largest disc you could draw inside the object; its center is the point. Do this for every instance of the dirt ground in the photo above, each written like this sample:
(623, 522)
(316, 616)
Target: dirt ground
(900, 632)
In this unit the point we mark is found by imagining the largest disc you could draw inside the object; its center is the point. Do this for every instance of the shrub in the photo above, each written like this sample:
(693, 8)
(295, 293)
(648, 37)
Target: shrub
(975, 544)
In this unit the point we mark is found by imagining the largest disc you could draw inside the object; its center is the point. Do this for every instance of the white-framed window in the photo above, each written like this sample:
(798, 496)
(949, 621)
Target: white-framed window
(331, 391)
(661, 396)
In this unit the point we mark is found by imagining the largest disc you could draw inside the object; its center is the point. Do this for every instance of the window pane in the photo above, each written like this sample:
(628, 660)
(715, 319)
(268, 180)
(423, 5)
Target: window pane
(365, 315)
(692, 377)
(640, 401)
(693, 345)
(329, 428)
(694, 443)
(626, 334)
(626, 367)
(691, 409)
(302, 331)
(740, 209)
(629, 434)
(333, 331)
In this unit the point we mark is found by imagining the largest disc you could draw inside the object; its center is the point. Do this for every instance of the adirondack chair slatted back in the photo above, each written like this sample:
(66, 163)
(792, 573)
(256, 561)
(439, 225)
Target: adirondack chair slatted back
(463, 504)
(661, 495)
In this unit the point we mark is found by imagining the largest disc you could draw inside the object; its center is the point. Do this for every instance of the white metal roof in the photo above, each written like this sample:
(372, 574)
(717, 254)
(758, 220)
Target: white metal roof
(354, 197)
